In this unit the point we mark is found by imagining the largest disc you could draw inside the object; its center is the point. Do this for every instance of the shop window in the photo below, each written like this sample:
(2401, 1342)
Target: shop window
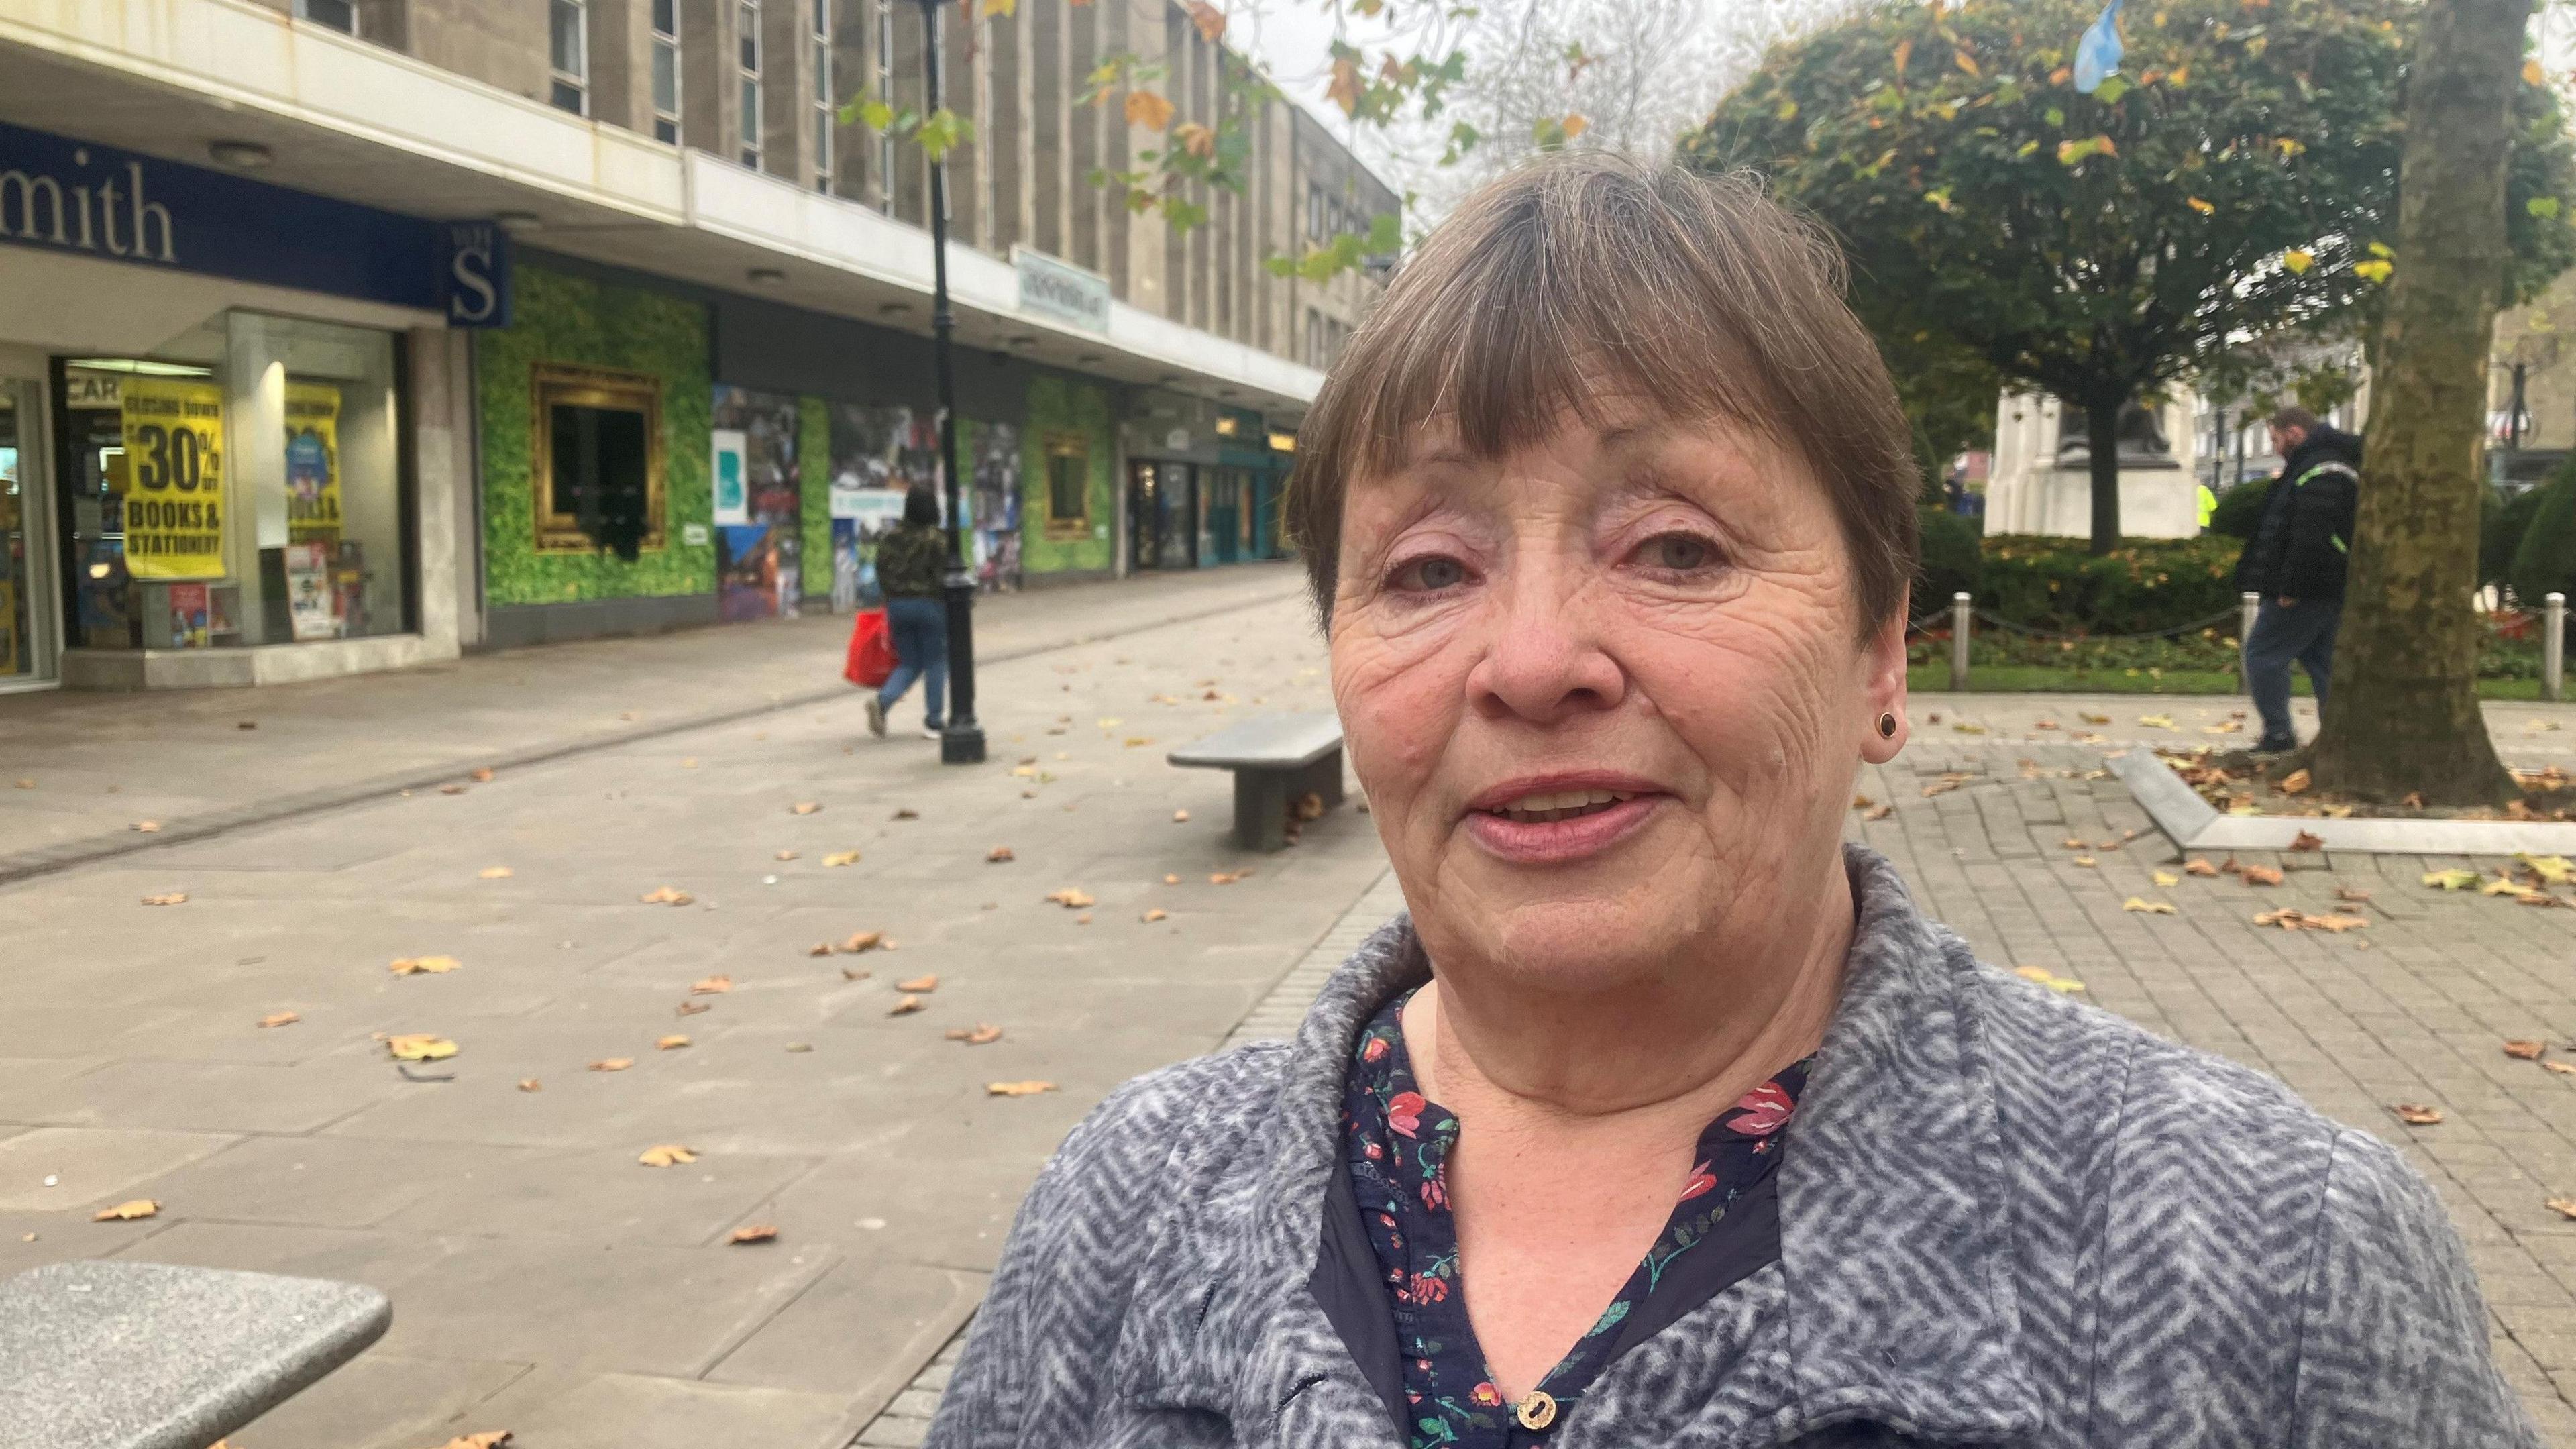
(595, 461)
(1068, 464)
(244, 487)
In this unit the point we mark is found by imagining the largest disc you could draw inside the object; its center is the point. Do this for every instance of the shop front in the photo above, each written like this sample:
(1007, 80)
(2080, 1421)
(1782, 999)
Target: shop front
(1203, 484)
(213, 422)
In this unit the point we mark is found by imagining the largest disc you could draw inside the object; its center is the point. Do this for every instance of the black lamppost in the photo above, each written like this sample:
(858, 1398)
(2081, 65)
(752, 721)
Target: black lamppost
(962, 743)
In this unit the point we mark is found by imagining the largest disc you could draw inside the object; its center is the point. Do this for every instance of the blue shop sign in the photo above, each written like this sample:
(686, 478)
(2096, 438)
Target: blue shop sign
(63, 195)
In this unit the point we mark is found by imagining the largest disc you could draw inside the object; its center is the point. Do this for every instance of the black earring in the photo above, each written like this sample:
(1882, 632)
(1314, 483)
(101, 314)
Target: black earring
(1887, 726)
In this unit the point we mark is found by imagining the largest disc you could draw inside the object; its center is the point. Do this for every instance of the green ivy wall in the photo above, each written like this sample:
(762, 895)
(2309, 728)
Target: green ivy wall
(814, 491)
(560, 318)
(1059, 405)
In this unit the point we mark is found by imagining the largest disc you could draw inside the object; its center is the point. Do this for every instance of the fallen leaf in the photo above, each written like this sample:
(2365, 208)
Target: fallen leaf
(804, 807)
(25, 783)
(2414, 800)
(451, 789)
(174, 898)
(922, 984)
(1137, 742)
(800, 1046)
(2451, 880)
(999, 854)
(819, 948)
(2565, 1207)
(671, 1043)
(1878, 812)
(2554, 869)
(2086, 861)
(420, 1047)
(2262, 875)
(2048, 978)
(906, 1006)
(755, 1233)
(666, 896)
(494, 872)
(2199, 865)
(2160, 721)
(2165, 878)
(483, 776)
(1072, 898)
(2305, 840)
(842, 857)
(531, 1084)
(2416, 1116)
(2351, 893)
(667, 1155)
(2564, 1069)
(907, 813)
(2141, 903)
(1017, 1089)
(612, 1064)
(148, 827)
(1180, 817)
(2528, 1051)
(2072, 843)
(280, 1018)
(2294, 783)
(424, 965)
(847, 974)
(788, 854)
(712, 986)
(126, 1212)
(862, 941)
(1156, 914)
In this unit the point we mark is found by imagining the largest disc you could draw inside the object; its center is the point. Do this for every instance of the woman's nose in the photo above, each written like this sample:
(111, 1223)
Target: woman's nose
(1543, 661)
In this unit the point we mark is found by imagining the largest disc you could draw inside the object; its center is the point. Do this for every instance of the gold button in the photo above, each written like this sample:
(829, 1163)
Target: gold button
(1537, 1411)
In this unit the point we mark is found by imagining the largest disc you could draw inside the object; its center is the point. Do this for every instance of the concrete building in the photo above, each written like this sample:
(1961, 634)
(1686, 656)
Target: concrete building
(516, 320)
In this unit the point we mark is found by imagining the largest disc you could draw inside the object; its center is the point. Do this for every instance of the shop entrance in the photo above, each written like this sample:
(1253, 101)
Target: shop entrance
(1163, 515)
(28, 634)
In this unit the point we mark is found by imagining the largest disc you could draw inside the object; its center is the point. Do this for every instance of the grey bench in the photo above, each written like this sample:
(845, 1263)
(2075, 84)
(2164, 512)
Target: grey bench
(1276, 760)
(119, 1355)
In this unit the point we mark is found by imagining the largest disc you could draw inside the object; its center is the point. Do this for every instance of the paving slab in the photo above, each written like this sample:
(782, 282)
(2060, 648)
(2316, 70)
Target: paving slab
(63, 1168)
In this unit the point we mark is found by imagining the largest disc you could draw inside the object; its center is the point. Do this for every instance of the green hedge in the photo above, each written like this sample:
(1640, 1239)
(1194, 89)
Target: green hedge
(1952, 558)
(2142, 587)
(2240, 509)
(2545, 560)
(2501, 524)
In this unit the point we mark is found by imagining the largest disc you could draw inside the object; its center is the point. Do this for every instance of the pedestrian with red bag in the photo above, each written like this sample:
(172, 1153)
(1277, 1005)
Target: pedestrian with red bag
(912, 561)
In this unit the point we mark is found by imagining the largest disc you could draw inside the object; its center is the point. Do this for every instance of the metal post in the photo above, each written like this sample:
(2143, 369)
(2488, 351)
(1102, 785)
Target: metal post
(962, 743)
(2553, 647)
(1961, 611)
(2247, 607)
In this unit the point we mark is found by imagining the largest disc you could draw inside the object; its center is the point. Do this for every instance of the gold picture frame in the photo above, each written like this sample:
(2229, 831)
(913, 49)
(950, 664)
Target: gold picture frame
(1068, 445)
(554, 384)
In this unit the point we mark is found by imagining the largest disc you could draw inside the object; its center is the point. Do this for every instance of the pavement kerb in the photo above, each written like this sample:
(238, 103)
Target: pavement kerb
(27, 865)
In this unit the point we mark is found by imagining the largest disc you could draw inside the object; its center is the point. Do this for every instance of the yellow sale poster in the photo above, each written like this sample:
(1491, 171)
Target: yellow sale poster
(313, 463)
(175, 508)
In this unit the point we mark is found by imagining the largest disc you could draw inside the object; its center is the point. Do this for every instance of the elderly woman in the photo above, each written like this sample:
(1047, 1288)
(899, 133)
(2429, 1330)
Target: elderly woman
(1664, 1117)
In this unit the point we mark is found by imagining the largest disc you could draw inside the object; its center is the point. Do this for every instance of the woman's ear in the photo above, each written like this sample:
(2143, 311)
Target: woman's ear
(1883, 688)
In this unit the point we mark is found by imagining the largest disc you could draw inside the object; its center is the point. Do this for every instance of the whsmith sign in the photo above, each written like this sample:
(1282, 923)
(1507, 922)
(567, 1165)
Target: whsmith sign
(71, 196)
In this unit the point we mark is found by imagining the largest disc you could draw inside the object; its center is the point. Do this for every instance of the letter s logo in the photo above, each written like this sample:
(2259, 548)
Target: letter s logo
(474, 298)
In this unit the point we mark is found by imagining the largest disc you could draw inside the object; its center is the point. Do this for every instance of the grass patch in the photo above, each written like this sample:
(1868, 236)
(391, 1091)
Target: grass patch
(2041, 679)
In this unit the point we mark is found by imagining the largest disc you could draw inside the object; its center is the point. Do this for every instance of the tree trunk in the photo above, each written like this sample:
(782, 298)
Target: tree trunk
(2102, 441)
(2404, 713)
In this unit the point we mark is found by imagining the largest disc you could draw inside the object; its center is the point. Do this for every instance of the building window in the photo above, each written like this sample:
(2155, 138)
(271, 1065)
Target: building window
(823, 116)
(666, 71)
(568, 50)
(340, 15)
(595, 460)
(747, 59)
(1314, 211)
(885, 93)
(1068, 461)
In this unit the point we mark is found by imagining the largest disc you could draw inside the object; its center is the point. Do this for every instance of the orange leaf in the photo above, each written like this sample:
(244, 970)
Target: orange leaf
(998, 855)
(1017, 1089)
(669, 1154)
(1209, 20)
(2528, 1051)
(612, 1064)
(2416, 1116)
(1196, 139)
(126, 1212)
(1576, 126)
(671, 1043)
(906, 1006)
(1344, 91)
(924, 984)
(2262, 875)
(280, 1018)
(756, 1232)
(1148, 109)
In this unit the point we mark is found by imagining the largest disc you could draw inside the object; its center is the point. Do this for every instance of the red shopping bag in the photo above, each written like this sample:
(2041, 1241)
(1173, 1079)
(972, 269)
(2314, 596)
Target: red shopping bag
(871, 658)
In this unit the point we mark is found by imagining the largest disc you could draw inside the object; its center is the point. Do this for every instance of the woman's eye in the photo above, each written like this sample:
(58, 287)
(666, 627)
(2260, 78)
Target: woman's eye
(1680, 552)
(1431, 575)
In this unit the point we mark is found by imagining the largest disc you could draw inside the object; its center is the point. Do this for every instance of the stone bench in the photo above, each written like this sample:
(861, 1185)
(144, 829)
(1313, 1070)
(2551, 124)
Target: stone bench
(1277, 760)
(119, 1355)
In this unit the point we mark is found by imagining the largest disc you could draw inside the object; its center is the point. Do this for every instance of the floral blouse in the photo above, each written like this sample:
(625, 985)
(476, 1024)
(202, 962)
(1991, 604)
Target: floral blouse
(1398, 1145)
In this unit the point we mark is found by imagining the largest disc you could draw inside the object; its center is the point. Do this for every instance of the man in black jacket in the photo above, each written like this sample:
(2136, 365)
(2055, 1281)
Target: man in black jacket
(2295, 560)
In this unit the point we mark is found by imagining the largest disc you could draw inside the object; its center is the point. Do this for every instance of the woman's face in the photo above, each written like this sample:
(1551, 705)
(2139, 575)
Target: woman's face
(1607, 695)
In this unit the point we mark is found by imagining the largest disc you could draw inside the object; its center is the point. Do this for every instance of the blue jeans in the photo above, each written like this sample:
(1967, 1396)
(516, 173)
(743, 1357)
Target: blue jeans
(2303, 634)
(920, 631)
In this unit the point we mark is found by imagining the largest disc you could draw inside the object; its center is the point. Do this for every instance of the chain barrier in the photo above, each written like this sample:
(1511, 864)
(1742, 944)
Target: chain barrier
(1942, 617)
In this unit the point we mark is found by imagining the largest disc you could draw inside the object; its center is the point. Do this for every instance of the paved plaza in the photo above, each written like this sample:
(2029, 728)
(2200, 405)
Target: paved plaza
(547, 1282)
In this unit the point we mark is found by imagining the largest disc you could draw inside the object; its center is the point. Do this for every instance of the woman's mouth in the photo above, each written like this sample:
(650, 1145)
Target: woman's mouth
(1546, 807)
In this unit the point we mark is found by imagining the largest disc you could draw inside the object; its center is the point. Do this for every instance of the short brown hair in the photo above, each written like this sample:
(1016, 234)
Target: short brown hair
(1587, 272)
(2293, 417)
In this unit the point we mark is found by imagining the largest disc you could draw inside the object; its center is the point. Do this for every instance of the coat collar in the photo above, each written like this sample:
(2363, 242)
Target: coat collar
(1893, 1301)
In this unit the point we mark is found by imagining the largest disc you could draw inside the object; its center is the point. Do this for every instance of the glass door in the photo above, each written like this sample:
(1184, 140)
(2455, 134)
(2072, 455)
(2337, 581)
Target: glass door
(27, 594)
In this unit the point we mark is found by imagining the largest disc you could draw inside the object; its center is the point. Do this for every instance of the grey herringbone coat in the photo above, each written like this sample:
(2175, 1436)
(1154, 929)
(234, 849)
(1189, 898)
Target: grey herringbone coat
(2006, 1219)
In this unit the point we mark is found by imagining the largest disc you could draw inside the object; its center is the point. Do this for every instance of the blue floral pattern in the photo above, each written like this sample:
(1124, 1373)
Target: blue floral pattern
(1397, 1147)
